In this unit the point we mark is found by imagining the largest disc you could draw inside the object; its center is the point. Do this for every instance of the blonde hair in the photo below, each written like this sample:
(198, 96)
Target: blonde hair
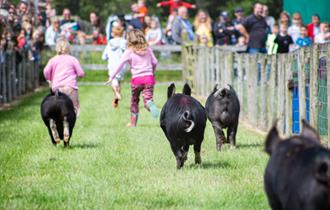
(208, 21)
(62, 47)
(136, 41)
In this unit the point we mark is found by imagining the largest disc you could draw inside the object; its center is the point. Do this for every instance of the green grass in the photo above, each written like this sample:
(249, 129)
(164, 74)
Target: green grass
(109, 166)
(102, 76)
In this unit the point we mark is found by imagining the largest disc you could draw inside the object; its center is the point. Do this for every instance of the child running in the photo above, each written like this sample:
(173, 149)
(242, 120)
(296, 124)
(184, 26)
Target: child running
(62, 71)
(112, 53)
(143, 65)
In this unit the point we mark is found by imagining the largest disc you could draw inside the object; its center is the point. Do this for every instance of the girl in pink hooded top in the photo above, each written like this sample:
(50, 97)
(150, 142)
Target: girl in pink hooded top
(143, 65)
(62, 72)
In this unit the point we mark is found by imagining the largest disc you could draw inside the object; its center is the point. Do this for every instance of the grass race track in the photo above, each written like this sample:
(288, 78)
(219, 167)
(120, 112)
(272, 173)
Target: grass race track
(109, 166)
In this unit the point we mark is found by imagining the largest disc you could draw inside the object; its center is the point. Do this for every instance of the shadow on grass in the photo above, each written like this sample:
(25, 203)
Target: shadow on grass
(247, 146)
(83, 146)
(211, 165)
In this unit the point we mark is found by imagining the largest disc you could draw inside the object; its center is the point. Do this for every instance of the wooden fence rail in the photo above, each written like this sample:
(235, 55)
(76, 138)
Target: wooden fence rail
(287, 87)
(90, 56)
(17, 77)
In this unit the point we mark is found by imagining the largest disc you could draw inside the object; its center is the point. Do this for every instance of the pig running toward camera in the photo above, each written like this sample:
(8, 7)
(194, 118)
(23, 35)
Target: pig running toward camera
(58, 114)
(222, 109)
(297, 176)
(183, 120)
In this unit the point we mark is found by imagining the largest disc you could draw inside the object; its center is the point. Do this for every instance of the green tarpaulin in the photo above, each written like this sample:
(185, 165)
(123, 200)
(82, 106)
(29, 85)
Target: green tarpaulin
(309, 7)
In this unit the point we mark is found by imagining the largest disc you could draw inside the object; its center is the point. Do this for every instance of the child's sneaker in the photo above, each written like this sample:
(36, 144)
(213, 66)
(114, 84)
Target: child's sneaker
(115, 102)
(153, 109)
(134, 119)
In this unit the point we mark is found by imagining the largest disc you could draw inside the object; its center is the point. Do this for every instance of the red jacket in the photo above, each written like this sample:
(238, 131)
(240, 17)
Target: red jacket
(310, 28)
(175, 5)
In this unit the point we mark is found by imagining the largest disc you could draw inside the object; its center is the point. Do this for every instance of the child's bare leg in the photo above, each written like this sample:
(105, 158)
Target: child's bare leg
(116, 89)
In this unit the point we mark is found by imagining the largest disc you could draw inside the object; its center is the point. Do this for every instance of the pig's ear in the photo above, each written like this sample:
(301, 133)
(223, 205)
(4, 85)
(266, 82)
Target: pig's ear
(216, 87)
(186, 89)
(309, 132)
(272, 140)
(170, 90)
(322, 173)
(230, 87)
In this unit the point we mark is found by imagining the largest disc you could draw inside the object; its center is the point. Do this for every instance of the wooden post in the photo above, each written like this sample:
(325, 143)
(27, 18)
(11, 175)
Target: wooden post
(288, 96)
(5, 79)
(271, 93)
(314, 89)
(262, 120)
(301, 86)
(240, 80)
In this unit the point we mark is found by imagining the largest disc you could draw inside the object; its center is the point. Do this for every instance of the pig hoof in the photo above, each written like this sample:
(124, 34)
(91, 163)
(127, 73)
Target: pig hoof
(185, 157)
(218, 147)
(66, 138)
(57, 140)
(198, 159)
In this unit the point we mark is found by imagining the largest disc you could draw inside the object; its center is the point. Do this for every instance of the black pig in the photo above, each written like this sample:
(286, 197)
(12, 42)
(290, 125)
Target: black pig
(183, 120)
(57, 112)
(222, 109)
(297, 176)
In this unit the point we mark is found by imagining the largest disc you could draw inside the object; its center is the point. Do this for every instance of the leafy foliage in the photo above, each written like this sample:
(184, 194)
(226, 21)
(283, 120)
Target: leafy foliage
(106, 8)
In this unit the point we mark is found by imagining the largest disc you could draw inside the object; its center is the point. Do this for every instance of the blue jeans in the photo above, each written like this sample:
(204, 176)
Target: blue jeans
(256, 50)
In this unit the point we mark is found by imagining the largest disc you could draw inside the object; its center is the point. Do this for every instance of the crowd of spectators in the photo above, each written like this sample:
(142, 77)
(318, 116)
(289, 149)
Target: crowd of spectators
(27, 26)
(259, 32)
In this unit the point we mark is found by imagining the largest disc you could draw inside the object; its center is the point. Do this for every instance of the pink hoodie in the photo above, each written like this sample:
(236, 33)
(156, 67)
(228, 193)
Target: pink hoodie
(63, 70)
(142, 64)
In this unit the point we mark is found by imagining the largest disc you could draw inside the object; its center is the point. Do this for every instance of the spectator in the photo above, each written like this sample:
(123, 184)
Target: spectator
(269, 19)
(175, 4)
(304, 40)
(223, 30)
(254, 28)
(294, 29)
(284, 19)
(142, 10)
(168, 29)
(154, 34)
(23, 8)
(314, 26)
(238, 12)
(50, 13)
(284, 40)
(53, 32)
(97, 35)
(271, 45)
(135, 22)
(21, 40)
(37, 44)
(181, 25)
(71, 28)
(203, 29)
(324, 35)
(241, 41)
(146, 24)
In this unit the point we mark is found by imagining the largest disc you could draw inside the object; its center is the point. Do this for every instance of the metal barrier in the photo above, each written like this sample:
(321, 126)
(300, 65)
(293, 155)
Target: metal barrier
(17, 76)
(287, 87)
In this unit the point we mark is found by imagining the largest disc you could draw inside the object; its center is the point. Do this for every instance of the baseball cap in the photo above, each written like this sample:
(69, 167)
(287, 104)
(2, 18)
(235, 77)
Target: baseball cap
(224, 14)
(238, 9)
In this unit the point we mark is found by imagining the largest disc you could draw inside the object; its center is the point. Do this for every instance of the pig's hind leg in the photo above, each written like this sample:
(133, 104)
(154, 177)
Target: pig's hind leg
(66, 131)
(54, 132)
(231, 135)
(197, 150)
(219, 135)
(178, 153)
